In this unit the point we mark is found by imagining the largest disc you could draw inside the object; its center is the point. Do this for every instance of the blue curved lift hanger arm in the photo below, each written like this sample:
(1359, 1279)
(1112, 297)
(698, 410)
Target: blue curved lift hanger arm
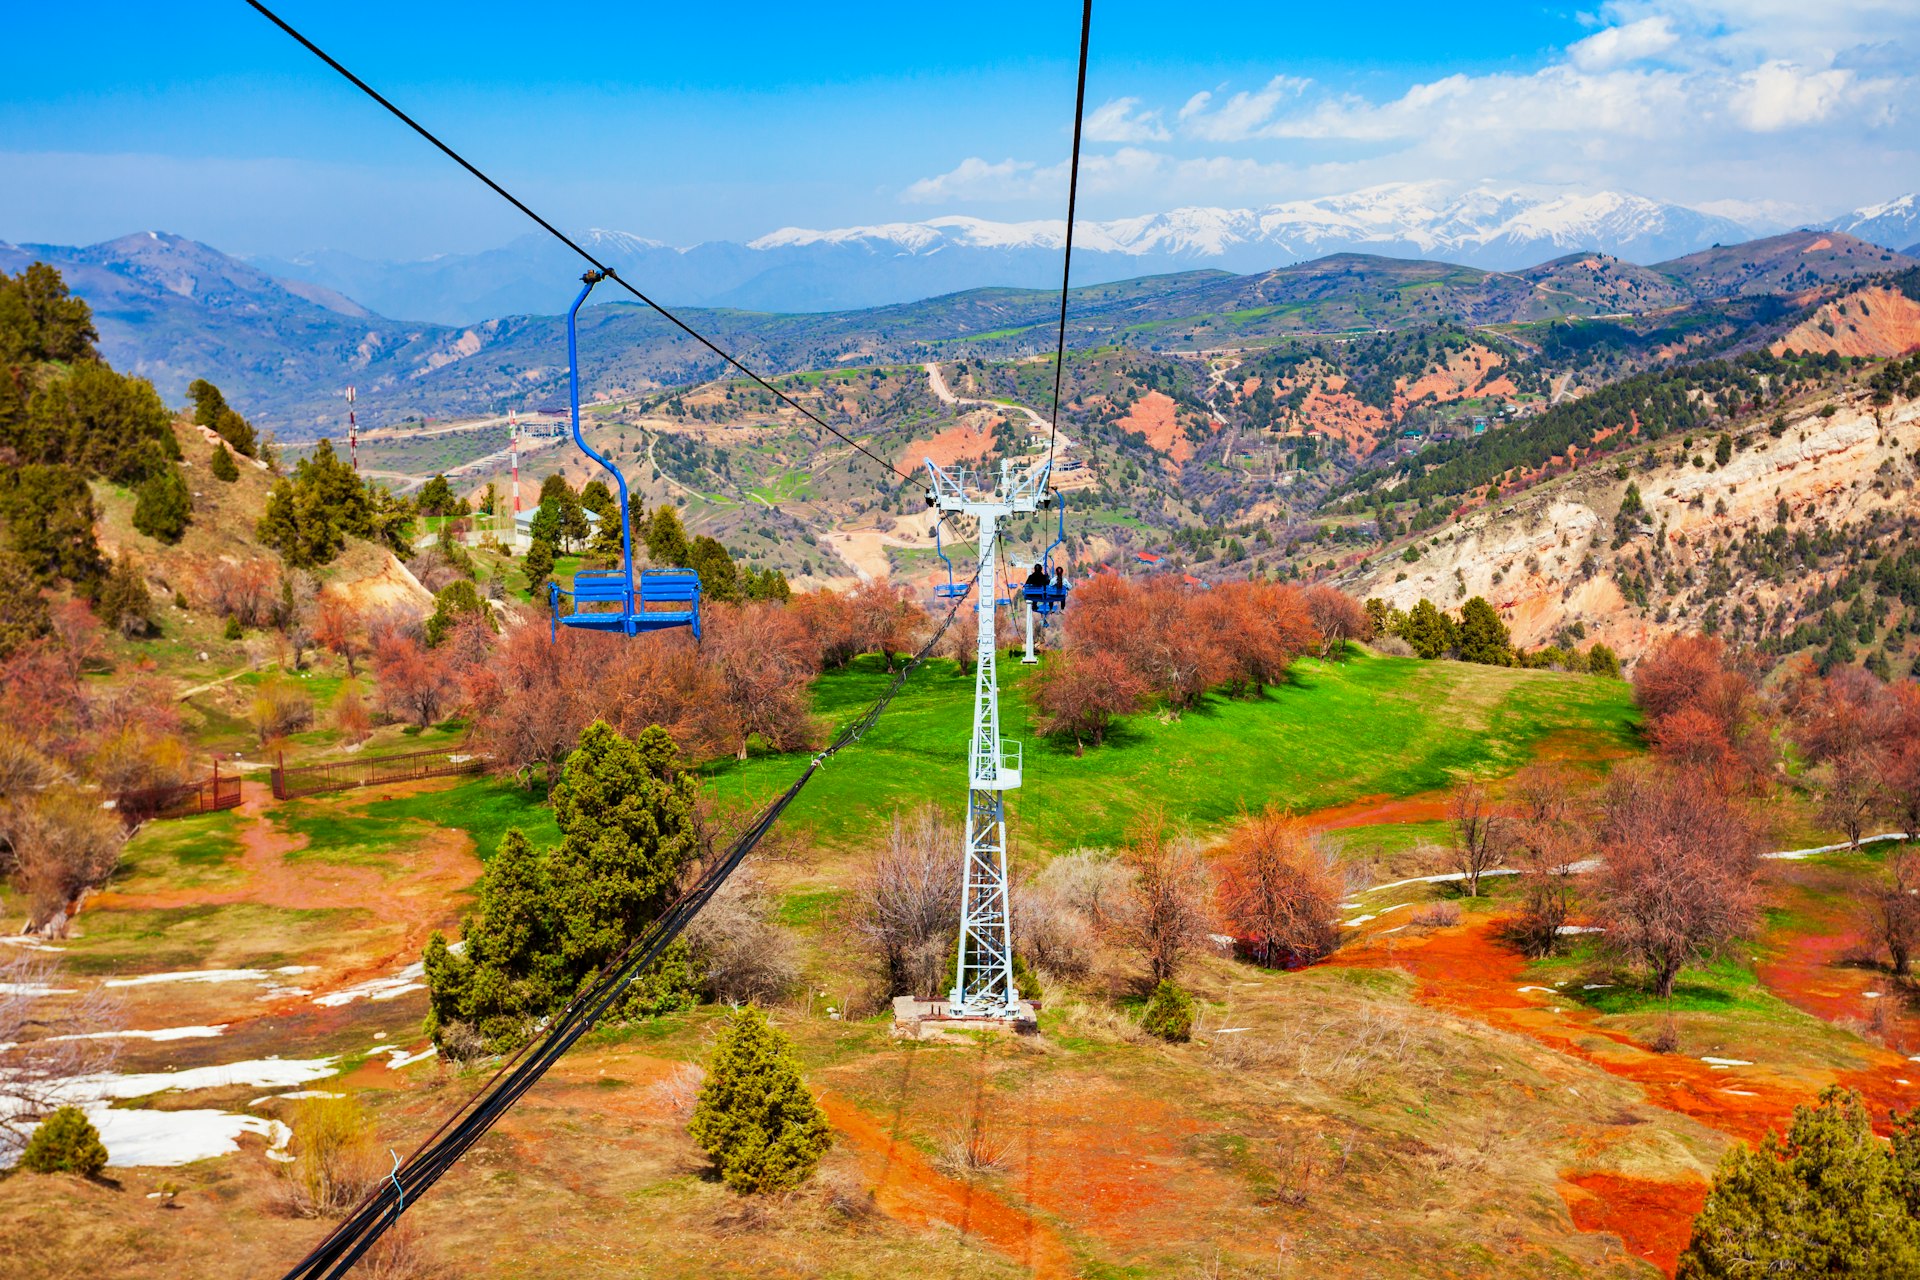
(670, 586)
(587, 282)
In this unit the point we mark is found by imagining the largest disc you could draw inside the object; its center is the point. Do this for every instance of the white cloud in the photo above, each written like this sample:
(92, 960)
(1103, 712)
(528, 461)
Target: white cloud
(975, 179)
(1780, 95)
(1618, 46)
(1688, 100)
(1243, 115)
(1121, 121)
(1006, 181)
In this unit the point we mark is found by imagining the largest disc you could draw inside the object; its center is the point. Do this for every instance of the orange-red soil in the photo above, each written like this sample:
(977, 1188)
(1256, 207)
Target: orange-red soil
(1466, 971)
(1653, 1219)
(1153, 416)
(1369, 811)
(421, 897)
(910, 1189)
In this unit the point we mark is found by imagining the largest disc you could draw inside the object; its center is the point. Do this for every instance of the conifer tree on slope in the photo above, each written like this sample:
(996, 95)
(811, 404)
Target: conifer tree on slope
(508, 976)
(546, 923)
(754, 1116)
(625, 813)
(1828, 1200)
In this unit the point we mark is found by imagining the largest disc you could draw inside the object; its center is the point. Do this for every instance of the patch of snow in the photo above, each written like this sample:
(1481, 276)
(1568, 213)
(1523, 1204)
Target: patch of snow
(1742, 1093)
(1397, 928)
(399, 1057)
(1871, 995)
(408, 979)
(1726, 1062)
(1356, 922)
(1596, 986)
(190, 975)
(261, 1073)
(1579, 928)
(1445, 877)
(1228, 1031)
(32, 989)
(1790, 854)
(162, 1034)
(165, 1139)
(1543, 990)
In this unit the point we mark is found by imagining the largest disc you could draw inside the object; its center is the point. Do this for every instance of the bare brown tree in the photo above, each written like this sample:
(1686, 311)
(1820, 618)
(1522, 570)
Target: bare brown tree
(1081, 692)
(907, 906)
(741, 954)
(1060, 913)
(1896, 910)
(1338, 617)
(1549, 823)
(1852, 794)
(1281, 889)
(1678, 877)
(60, 844)
(48, 1035)
(1167, 917)
(1480, 835)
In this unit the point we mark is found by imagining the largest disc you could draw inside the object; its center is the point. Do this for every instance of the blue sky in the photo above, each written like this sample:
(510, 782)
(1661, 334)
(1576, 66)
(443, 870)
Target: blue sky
(688, 123)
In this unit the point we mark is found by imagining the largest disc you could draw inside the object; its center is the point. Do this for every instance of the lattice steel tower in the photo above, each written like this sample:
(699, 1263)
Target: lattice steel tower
(983, 975)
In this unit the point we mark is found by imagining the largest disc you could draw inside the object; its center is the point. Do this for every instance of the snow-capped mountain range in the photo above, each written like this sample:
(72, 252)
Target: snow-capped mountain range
(1426, 218)
(802, 269)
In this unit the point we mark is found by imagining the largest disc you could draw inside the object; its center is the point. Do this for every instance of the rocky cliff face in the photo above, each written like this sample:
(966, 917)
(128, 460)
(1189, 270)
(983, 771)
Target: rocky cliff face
(1556, 559)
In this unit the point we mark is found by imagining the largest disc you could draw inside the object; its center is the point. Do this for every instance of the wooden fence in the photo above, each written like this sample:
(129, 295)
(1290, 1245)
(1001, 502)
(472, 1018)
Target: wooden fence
(208, 795)
(370, 771)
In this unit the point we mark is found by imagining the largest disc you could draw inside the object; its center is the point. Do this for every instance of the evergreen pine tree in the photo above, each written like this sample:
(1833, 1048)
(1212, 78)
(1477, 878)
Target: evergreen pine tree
(163, 507)
(539, 566)
(40, 321)
(456, 600)
(1169, 1013)
(23, 609)
(1828, 1200)
(124, 601)
(508, 977)
(597, 498)
(224, 468)
(48, 512)
(436, 497)
(1482, 636)
(1429, 631)
(65, 1142)
(719, 578)
(754, 1116)
(667, 538)
(625, 813)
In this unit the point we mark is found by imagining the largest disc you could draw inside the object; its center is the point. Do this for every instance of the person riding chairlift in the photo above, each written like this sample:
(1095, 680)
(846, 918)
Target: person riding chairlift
(1060, 584)
(1037, 580)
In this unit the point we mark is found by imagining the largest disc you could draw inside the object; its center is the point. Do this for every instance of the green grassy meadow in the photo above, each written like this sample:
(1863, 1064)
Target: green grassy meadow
(1337, 731)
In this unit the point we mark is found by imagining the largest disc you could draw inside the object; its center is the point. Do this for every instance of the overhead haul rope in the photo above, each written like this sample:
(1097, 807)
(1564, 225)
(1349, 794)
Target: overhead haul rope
(568, 241)
(1073, 193)
(334, 1256)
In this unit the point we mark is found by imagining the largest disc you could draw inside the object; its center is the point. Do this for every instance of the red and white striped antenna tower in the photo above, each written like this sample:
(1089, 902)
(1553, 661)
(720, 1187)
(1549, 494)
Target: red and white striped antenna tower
(353, 432)
(513, 439)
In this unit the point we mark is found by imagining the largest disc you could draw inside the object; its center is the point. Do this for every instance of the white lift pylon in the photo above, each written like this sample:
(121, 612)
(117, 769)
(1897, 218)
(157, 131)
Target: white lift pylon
(983, 974)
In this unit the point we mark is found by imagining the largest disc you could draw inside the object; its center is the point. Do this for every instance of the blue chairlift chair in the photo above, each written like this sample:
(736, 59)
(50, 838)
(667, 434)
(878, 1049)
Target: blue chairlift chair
(618, 599)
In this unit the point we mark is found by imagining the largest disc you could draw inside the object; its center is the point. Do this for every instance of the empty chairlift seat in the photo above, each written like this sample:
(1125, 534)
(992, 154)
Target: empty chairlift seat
(663, 599)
